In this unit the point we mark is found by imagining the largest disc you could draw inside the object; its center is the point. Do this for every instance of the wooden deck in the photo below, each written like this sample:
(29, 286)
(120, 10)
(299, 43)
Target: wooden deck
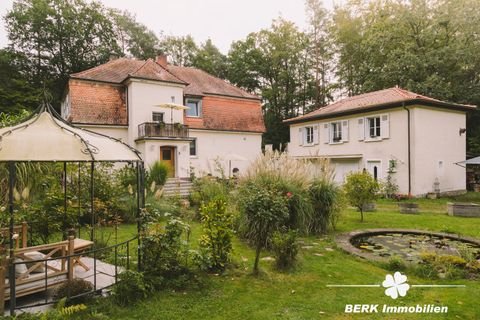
(102, 277)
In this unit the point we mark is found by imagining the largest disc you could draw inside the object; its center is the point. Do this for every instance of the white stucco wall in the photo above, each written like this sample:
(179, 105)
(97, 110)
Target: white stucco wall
(143, 98)
(150, 150)
(345, 155)
(112, 131)
(435, 139)
(224, 145)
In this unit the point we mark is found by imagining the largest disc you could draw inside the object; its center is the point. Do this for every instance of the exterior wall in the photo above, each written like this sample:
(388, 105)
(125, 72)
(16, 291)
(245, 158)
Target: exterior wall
(435, 139)
(354, 152)
(143, 98)
(150, 150)
(95, 103)
(239, 147)
(226, 113)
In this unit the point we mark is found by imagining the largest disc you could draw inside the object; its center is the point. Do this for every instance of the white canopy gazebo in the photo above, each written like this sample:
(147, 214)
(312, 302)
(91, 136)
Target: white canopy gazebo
(46, 137)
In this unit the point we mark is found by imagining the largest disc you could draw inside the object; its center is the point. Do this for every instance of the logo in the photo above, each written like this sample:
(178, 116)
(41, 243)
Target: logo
(396, 285)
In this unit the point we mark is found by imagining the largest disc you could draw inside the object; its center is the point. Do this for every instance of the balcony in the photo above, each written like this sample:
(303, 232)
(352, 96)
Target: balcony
(162, 130)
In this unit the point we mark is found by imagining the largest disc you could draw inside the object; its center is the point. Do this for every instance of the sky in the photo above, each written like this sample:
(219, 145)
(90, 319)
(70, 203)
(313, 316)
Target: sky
(223, 21)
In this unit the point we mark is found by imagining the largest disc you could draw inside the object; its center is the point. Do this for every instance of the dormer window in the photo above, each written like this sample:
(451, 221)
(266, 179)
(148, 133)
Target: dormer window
(194, 107)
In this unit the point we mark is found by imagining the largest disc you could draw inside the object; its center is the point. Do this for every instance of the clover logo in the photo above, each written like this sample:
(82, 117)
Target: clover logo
(396, 285)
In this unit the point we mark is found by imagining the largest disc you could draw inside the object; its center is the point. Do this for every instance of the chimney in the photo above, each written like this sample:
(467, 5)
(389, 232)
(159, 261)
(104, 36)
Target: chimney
(161, 60)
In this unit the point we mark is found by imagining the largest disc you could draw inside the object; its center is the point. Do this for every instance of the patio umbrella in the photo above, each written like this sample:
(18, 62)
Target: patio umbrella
(172, 106)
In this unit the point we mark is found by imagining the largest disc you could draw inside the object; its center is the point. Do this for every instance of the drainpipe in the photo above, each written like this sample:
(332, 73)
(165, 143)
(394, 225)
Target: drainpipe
(409, 152)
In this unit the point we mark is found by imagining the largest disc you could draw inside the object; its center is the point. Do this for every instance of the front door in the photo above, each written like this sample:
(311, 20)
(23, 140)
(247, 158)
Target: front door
(167, 156)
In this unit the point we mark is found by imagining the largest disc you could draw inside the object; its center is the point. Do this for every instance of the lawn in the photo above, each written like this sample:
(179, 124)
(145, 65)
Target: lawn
(303, 293)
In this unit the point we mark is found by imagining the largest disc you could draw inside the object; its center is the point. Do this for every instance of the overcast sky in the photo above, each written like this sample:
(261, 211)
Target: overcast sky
(223, 21)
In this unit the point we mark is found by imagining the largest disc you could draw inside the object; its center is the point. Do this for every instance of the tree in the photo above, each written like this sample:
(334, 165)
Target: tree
(429, 47)
(134, 38)
(275, 60)
(320, 52)
(360, 189)
(180, 50)
(60, 37)
(210, 59)
(17, 92)
(264, 210)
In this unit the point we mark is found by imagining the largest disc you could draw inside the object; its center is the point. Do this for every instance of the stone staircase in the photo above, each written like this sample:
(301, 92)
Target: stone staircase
(180, 187)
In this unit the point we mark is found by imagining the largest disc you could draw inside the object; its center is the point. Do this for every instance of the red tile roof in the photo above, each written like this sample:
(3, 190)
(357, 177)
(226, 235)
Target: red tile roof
(386, 98)
(202, 83)
(118, 70)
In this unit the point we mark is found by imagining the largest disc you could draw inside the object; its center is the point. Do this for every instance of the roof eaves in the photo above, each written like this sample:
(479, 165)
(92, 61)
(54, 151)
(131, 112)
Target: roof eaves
(418, 101)
(232, 96)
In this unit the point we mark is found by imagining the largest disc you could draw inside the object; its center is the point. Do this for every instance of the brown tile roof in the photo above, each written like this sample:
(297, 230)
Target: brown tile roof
(375, 100)
(118, 70)
(201, 83)
(228, 114)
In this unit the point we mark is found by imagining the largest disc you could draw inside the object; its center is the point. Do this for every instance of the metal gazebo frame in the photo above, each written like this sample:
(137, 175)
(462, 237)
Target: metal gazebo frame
(89, 153)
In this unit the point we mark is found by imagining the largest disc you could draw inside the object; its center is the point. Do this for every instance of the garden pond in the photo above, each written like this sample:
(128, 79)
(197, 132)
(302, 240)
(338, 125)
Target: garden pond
(409, 246)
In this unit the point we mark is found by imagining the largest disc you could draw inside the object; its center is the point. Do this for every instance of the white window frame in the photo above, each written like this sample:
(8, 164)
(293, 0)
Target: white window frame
(336, 125)
(199, 107)
(196, 148)
(377, 128)
(308, 136)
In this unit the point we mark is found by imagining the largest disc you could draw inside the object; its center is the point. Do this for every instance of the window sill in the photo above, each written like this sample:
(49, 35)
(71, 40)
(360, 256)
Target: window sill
(308, 144)
(195, 117)
(373, 139)
(193, 157)
(335, 143)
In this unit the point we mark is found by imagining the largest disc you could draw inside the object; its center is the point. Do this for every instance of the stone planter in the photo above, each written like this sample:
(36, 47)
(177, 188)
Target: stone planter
(463, 209)
(369, 207)
(408, 207)
(431, 195)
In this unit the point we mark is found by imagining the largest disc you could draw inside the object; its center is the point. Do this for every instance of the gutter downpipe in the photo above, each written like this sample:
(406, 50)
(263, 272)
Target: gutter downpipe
(409, 152)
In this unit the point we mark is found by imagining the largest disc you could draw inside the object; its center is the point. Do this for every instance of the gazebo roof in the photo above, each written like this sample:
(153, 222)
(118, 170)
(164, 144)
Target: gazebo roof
(46, 137)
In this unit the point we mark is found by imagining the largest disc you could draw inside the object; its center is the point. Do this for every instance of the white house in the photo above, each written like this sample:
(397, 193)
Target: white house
(182, 116)
(416, 139)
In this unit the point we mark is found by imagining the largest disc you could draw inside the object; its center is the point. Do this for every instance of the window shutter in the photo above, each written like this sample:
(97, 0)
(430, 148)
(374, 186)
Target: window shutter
(345, 130)
(315, 134)
(385, 126)
(300, 136)
(361, 129)
(326, 133)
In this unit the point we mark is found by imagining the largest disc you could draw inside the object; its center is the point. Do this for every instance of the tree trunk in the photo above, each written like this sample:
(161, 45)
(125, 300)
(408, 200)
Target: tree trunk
(361, 214)
(257, 258)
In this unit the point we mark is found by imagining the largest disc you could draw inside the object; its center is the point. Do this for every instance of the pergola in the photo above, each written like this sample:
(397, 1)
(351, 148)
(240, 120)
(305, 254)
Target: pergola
(46, 137)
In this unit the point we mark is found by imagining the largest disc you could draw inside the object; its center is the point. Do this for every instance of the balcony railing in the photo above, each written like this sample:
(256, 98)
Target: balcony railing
(160, 129)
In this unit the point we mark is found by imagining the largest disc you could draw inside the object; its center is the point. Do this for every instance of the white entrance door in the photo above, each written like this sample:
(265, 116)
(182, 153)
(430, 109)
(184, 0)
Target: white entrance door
(374, 167)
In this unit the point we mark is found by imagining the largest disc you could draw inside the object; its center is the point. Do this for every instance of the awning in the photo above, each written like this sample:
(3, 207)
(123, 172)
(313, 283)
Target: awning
(475, 160)
(45, 137)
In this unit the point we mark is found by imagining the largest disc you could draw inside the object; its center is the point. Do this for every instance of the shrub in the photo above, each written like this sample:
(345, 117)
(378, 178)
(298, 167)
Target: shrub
(165, 254)
(264, 210)
(130, 288)
(207, 189)
(216, 241)
(292, 177)
(158, 173)
(395, 263)
(360, 189)
(443, 266)
(73, 288)
(285, 249)
(326, 200)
